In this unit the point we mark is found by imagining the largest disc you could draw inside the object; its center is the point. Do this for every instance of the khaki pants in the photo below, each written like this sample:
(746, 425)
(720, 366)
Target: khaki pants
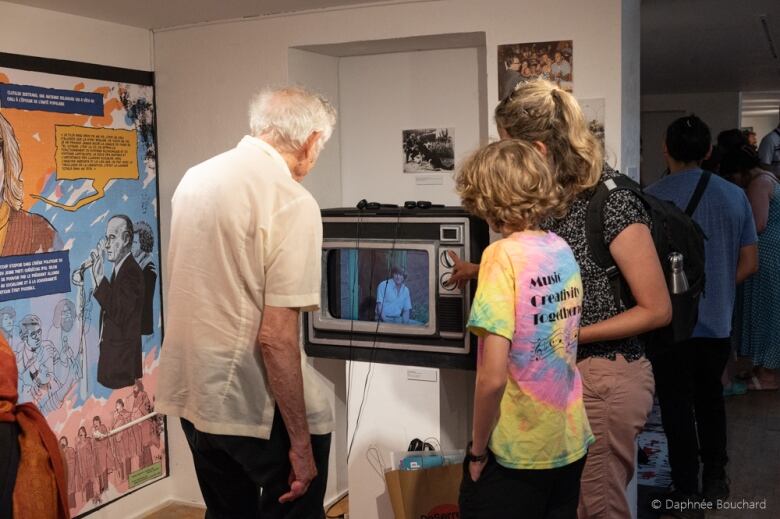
(618, 396)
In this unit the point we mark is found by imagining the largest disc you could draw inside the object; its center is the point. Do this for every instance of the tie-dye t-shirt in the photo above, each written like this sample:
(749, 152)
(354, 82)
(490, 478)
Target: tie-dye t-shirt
(530, 292)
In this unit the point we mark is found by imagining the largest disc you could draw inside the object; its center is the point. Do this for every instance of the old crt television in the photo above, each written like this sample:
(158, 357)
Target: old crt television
(386, 291)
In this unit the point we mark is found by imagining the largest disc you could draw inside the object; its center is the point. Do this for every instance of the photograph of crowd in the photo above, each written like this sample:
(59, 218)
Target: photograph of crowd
(521, 62)
(428, 149)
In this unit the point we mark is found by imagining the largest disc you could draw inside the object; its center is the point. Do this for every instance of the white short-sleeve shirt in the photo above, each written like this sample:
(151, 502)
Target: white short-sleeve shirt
(244, 234)
(394, 301)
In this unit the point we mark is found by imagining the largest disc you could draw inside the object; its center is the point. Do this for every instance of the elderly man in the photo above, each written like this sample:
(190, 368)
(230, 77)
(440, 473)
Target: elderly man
(121, 301)
(245, 251)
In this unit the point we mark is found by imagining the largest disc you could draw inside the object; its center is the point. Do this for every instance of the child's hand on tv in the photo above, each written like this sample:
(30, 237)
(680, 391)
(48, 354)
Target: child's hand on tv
(462, 271)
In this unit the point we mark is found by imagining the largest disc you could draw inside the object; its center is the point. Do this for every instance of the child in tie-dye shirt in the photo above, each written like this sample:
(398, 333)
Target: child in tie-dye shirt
(531, 434)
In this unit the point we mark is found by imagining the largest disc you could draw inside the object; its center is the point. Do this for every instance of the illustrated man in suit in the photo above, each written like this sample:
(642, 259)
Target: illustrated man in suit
(142, 252)
(121, 300)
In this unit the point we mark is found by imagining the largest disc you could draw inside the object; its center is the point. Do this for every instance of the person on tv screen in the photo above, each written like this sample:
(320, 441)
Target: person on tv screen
(393, 302)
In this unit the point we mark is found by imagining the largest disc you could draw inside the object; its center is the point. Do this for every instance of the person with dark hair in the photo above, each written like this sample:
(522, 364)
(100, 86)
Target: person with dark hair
(144, 431)
(69, 462)
(142, 252)
(769, 151)
(688, 375)
(751, 138)
(85, 465)
(758, 305)
(102, 449)
(122, 442)
(121, 301)
(512, 75)
(393, 300)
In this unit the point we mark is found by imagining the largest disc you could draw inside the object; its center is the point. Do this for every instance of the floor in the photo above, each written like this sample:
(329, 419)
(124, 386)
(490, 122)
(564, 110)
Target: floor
(754, 454)
(754, 468)
(181, 511)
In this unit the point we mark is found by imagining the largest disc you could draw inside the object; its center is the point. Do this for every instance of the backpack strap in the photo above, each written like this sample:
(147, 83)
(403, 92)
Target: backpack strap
(594, 228)
(704, 179)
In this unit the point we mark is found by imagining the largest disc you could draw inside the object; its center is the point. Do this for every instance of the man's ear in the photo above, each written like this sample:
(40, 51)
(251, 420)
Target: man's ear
(309, 148)
(709, 153)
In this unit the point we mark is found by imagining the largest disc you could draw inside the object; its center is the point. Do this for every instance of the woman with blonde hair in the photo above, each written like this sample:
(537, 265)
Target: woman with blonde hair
(530, 432)
(21, 232)
(617, 377)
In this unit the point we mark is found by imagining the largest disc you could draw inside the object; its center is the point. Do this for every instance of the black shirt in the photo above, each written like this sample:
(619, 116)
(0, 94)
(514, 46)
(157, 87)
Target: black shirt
(621, 209)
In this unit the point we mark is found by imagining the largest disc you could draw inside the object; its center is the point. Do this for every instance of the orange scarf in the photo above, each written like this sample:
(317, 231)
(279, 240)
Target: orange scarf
(41, 486)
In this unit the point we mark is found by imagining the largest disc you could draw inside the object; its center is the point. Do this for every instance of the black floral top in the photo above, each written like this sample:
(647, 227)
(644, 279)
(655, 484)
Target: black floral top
(621, 209)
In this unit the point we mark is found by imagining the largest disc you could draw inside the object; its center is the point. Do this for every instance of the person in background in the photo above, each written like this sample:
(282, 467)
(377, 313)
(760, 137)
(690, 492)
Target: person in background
(271, 427)
(32, 474)
(530, 433)
(769, 152)
(688, 375)
(123, 442)
(752, 139)
(104, 461)
(69, 460)
(756, 319)
(617, 377)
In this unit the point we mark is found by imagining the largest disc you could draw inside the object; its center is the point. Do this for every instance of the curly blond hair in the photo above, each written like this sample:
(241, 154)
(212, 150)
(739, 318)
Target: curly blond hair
(510, 184)
(540, 111)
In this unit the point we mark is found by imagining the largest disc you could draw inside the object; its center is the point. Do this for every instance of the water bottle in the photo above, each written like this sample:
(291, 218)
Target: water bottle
(678, 282)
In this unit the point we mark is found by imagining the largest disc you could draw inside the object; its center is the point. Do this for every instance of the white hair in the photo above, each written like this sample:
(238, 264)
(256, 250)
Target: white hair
(287, 116)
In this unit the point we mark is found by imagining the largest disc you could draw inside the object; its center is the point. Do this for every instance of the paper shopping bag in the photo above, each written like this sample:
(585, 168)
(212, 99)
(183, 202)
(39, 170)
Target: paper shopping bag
(425, 494)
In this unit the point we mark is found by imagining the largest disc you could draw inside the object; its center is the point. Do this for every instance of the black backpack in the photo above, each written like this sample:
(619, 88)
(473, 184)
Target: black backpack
(673, 230)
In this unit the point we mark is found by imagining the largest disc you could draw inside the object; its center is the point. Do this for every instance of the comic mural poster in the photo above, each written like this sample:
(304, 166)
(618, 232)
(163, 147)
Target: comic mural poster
(80, 301)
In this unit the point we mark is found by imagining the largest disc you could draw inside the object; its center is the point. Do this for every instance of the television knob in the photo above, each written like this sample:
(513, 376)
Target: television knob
(446, 260)
(446, 282)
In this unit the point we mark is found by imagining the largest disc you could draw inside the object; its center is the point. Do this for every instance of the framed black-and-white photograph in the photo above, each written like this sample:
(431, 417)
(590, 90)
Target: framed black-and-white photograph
(521, 62)
(428, 149)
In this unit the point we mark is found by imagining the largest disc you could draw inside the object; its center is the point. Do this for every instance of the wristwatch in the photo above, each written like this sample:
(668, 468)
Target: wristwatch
(477, 459)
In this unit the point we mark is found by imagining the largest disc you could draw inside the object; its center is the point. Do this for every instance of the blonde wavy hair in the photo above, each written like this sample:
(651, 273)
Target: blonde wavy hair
(11, 183)
(510, 184)
(540, 111)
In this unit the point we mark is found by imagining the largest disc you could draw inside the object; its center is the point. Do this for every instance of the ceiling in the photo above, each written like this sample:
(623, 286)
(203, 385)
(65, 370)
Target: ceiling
(709, 46)
(159, 14)
(687, 46)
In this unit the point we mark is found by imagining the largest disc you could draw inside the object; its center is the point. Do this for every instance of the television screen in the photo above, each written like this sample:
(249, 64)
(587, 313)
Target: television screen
(377, 285)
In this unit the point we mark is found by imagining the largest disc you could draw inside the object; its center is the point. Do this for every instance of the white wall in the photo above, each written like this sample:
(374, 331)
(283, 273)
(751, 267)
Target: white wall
(206, 74)
(630, 71)
(38, 32)
(48, 34)
(720, 110)
(381, 95)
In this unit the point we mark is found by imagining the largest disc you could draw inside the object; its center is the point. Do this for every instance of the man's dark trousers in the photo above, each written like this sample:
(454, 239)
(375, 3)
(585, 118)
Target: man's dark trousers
(690, 393)
(232, 470)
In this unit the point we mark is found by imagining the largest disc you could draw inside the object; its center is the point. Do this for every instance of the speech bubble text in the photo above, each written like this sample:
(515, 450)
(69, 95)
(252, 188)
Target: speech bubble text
(99, 154)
